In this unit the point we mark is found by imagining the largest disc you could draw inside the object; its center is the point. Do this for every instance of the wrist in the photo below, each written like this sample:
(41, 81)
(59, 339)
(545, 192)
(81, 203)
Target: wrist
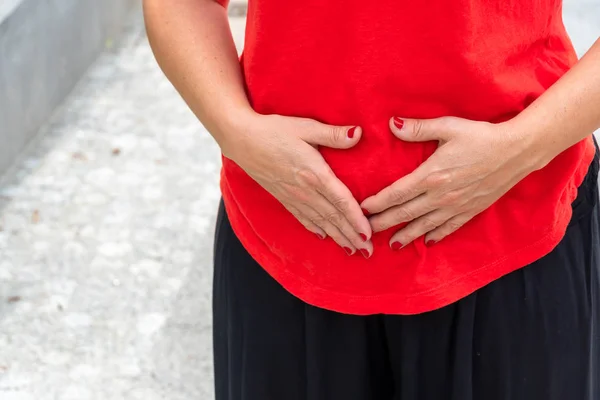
(535, 149)
(235, 131)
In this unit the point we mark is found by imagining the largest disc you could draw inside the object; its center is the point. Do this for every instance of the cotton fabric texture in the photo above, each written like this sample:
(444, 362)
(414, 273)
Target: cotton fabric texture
(533, 334)
(360, 63)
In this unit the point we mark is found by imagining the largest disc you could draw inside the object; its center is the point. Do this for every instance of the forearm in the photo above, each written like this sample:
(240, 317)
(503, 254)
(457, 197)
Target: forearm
(193, 45)
(566, 113)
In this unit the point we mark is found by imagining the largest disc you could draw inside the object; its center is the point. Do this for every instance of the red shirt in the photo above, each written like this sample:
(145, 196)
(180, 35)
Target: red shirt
(355, 62)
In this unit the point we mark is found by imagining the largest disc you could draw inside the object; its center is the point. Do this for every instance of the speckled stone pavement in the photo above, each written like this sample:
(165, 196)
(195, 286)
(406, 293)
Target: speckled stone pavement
(106, 238)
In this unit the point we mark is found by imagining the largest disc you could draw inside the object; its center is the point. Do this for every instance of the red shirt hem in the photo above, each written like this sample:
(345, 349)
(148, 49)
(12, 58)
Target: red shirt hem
(396, 303)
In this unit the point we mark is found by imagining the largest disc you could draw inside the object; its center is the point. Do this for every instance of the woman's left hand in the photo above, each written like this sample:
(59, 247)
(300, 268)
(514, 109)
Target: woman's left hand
(474, 165)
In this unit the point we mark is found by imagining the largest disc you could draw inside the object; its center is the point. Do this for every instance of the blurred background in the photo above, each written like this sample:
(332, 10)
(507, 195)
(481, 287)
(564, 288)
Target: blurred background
(108, 196)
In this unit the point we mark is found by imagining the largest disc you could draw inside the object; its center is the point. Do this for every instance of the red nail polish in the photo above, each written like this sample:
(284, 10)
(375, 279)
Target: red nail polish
(321, 236)
(396, 245)
(348, 250)
(363, 237)
(367, 213)
(429, 243)
(351, 132)
(398, 122)
(365, 253)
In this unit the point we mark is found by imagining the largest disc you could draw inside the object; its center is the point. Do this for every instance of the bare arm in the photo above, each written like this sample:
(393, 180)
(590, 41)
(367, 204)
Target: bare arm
(192, 42)
(477, 162)
(566, 113)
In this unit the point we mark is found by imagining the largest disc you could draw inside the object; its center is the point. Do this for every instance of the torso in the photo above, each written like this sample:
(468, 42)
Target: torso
(359, 63)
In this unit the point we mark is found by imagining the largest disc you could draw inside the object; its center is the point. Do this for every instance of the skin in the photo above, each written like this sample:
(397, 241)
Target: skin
(474, 165)
(477, 162)
(192, 43)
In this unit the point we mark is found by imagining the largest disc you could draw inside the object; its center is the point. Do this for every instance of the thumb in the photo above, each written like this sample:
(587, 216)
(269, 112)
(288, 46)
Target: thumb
(422, 130)
(337, 137)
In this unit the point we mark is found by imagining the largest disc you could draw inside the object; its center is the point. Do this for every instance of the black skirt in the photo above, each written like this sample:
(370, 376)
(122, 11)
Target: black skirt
(532, 335)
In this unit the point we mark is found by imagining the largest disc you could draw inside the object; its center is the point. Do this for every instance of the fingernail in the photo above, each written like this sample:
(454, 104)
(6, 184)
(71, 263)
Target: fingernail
(321, 236)
(365, 211)
(396, 245)
(429, 243)
(348, 250)
(363, 237)
(351, 132)
(398, 122)
(365, 253)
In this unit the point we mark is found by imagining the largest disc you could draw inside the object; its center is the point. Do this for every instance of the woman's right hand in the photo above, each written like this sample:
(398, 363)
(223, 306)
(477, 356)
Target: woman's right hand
(280, 153)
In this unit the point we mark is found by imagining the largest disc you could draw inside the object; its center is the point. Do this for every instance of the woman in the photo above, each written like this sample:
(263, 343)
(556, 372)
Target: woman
(410, 197)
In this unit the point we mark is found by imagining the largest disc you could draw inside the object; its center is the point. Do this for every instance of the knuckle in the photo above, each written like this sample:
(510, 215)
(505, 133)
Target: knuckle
(438, 178)
(398, 195)
(428, 223)
(449, 198)
(453, 225)
(341, 204)
(447, 122)
(417, 127)
(308, 177)
(319, 220)
(335, 134)
(404, 214)
(431, 181)
(335, 218)
(292, 190)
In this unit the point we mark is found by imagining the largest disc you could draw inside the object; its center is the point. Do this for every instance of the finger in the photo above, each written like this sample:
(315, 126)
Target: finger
(308, 224)
(406, 212)
(330, 229)
(334, 216)
(424, 130)
(337, 137)
(450, 226)
(418, 228)
(337, 194)
(400, 192)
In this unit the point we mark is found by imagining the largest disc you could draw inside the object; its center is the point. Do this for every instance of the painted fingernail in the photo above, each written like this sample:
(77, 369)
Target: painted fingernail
(348, 250)
(365, 211)
(351, 132)
(398, 122)
(396, 245)
(429, 243)
(363, 237)
(365, 253)
(321, 236)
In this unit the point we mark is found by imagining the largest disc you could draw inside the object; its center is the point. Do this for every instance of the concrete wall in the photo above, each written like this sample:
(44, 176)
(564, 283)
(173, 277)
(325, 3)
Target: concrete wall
(45, 47)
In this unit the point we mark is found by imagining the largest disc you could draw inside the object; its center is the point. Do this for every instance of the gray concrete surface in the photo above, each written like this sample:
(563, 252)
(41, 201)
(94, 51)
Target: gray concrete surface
(106, 229)
(45, 47)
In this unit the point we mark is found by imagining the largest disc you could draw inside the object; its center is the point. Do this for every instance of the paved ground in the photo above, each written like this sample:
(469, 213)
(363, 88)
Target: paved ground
(105, 238)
